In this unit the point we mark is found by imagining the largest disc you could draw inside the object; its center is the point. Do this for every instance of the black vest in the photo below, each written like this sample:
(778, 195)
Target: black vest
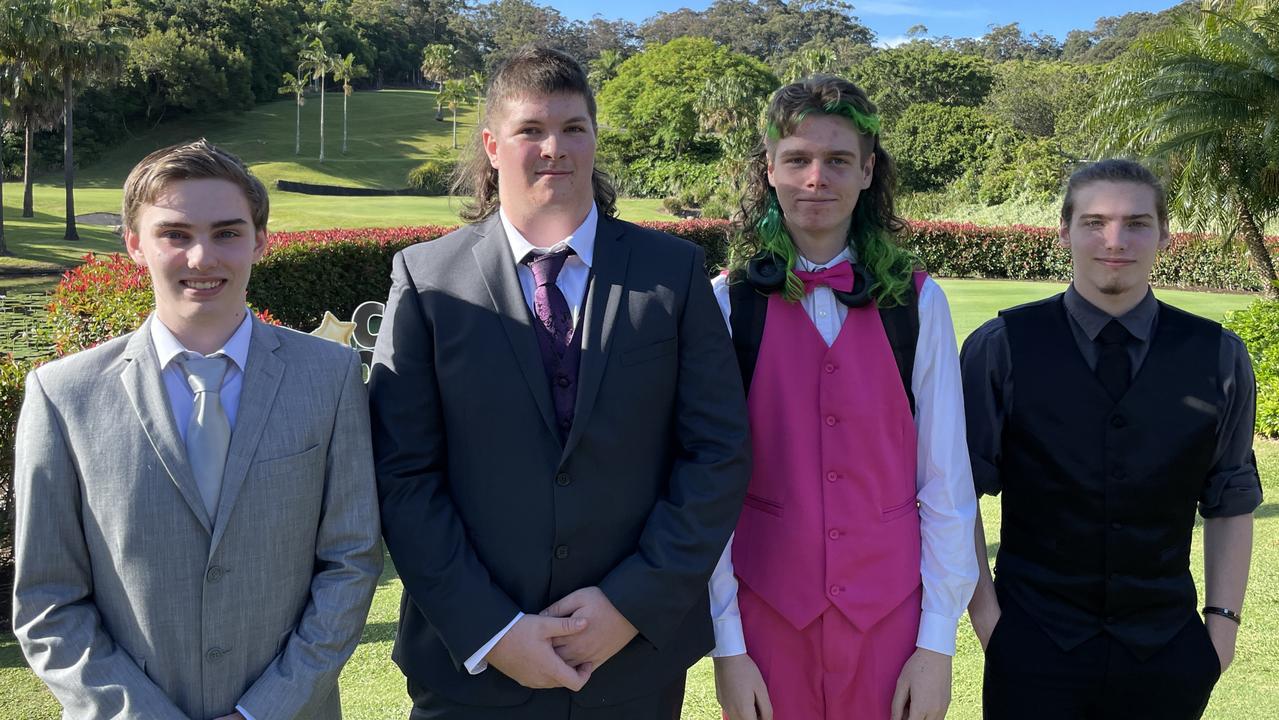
(1099, 497)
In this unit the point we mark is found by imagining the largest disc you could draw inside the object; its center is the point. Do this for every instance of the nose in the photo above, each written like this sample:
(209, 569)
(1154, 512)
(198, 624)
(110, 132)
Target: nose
(816, 177)
(551, 146)
(200, 254)
(1114, 238)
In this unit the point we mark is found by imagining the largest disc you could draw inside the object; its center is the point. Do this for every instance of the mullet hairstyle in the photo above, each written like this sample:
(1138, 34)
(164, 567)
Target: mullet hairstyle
(1114, 170)
(531, 71)
(875, 222)
(198, 160)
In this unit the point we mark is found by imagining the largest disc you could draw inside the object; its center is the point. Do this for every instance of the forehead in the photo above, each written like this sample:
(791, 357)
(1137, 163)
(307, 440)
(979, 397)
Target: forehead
(543, 108)
(195, 201)
(1115, 199)
(822, 133)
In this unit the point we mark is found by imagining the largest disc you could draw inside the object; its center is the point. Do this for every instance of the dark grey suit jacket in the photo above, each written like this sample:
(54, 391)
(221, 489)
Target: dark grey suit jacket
(486, 513)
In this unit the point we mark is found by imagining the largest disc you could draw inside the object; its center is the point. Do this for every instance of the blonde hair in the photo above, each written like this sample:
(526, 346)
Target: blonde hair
(196, 160)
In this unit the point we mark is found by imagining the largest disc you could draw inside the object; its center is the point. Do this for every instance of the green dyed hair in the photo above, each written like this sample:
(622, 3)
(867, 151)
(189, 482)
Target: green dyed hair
(762, 223)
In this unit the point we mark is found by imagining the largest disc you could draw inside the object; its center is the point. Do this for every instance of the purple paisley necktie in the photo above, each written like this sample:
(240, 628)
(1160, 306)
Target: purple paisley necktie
(554, 328)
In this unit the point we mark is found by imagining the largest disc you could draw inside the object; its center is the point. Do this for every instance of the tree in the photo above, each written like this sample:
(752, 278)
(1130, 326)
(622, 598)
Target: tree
(296, 86)
(452, 95)
(916, 72)
(437, 65)
(935, 144)
(475, 84)
(730, 107)
(345, 70)
(1202, 101)
(604, 68)
(317, 63)
(81, 51)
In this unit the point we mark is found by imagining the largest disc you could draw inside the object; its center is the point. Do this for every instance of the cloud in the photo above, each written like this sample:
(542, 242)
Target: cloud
(893, 41)
(910, 9)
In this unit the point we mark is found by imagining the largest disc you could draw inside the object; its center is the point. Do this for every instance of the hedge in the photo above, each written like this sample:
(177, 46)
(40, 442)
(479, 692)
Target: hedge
(1258, 326)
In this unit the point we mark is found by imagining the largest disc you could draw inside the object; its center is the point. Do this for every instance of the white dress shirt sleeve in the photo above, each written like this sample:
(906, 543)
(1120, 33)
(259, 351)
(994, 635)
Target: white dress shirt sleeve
(944, 483)
(478, 662)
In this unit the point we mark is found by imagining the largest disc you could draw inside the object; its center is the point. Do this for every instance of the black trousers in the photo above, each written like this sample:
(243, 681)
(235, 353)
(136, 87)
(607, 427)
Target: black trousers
(1029, 676)
(556, 704)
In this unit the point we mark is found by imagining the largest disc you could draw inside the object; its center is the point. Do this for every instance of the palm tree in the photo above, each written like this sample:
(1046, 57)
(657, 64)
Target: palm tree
(295, 86)
(80, 51)
(604, 68)
(475, 84)
(1201, 101)
(345, 70)
(24, 33)
(437, 65)
(452, 95)
(317, 63)
(36, 106)
(810, 62)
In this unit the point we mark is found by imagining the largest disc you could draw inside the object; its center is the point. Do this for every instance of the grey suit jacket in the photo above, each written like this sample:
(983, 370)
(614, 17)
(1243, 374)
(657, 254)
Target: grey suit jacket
(128, 603)
(486, 511)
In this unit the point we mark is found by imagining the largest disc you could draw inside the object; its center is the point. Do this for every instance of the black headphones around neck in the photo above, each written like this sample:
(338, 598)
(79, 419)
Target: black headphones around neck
(767, 273)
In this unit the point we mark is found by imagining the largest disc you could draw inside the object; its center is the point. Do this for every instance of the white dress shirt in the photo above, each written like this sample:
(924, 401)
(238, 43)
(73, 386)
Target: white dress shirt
(571, 281)
(944, 483)
(182, 399)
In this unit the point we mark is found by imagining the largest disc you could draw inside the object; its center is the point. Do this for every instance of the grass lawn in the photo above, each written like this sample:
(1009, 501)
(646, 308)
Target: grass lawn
(373, 688)
(390, 131)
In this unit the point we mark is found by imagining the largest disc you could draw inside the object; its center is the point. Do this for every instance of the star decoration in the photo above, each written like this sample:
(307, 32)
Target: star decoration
(338, 331)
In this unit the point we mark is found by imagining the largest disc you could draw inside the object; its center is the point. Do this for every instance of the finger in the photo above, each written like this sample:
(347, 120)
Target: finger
(900, 697)
(763, 705)
(554, 627)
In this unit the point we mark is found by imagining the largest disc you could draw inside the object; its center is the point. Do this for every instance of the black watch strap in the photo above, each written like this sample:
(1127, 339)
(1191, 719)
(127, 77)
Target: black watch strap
(1224, 612)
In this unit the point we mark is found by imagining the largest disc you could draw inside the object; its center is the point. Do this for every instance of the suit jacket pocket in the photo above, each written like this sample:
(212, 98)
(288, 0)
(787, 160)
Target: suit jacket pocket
(644, 353)
(771, 507)
(899, 510)
(289, 464)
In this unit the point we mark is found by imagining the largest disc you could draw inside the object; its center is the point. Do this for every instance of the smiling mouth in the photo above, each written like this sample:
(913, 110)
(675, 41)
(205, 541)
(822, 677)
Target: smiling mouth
(1115, 262)
(203, 284)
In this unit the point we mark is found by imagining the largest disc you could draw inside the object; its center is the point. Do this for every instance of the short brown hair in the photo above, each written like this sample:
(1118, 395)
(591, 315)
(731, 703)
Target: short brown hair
(1114, 170)
(196, 160)
(532, 70)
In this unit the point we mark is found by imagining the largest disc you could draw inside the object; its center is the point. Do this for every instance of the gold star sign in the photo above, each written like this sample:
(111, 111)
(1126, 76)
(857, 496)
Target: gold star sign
(336, 330)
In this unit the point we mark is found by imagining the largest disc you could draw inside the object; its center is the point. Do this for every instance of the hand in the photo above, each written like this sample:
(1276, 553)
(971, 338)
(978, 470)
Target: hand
(1223, 633)
(740, 689)
(984, 622)
(608, 630)
(923, 689)
(525, 653)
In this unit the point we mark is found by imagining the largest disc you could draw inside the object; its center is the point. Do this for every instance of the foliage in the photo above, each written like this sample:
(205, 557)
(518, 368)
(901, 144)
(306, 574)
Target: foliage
(1258, 327)
(1045, 99)
(655, 92)
(1020, 168)
(1111, 36)
(917, 73)
(763, 29)
(934, 144)
(432, 177)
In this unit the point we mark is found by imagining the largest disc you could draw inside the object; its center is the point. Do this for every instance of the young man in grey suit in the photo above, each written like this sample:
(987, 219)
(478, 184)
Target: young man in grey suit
(559, 432)
(197, 530)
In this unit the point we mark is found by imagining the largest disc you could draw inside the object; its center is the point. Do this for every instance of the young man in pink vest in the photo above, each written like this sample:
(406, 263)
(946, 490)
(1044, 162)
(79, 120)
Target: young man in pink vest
(852, 562)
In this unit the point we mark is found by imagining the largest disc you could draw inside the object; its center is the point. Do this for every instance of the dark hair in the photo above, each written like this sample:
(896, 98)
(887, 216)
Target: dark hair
(1114, 170)
(532, 70)
(196, 160)
(875, 220)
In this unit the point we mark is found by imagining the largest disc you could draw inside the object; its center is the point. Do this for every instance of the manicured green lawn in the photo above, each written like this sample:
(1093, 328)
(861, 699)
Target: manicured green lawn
(390, 132)
(373, 688)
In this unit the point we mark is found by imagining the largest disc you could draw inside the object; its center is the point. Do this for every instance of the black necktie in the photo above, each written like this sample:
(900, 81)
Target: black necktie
(1114, 367)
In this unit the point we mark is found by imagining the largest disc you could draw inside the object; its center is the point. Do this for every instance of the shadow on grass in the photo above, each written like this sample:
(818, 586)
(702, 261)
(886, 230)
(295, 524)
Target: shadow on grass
(379, 632)
(11, 654)
(992, 549)
(1266, 510)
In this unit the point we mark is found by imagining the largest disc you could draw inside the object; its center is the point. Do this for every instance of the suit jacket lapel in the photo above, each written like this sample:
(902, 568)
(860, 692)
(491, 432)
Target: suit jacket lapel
(144, 385)
(492, 253)
(263, 372)
(608, 276)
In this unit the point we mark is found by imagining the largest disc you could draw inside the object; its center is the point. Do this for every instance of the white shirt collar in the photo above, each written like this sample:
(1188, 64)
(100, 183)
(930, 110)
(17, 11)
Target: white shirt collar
(168, 347)
(809, 266)
(582, 240)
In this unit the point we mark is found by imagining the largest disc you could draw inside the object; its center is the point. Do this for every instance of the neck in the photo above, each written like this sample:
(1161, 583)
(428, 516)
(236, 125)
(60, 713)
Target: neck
(820, 248)
(1115, 305)
(204, 338)
(545, 226)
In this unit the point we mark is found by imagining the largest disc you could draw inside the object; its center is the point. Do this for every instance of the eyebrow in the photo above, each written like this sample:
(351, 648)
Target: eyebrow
(1101, 216)
(836, 153)
(187, 226)
(543, 121)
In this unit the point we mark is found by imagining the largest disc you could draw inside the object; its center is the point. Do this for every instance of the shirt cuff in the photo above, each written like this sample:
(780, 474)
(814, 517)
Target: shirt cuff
(937, 633)
(240, 709)
(729, 638)
(477, 663)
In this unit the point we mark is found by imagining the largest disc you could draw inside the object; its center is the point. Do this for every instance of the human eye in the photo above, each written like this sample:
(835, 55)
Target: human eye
(173, 235)
(227, 234)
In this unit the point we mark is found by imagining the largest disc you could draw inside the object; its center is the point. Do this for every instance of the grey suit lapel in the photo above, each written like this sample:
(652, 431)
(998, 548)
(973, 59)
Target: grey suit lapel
(608, 276)
(144, 385)
(492, 253)
(263, 372)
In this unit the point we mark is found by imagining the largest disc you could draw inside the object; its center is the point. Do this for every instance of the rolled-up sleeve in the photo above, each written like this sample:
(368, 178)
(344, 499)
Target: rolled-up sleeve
(1234, 487)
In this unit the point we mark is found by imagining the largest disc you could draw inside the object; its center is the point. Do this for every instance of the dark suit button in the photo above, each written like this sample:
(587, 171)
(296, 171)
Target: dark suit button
(561, 552)
(1118, 474)
(566, 424)
(563, 381)
(1118, 421)
(214, 574)
(563, 480)
(1110, 619)
(215, 654)
(1116, 526)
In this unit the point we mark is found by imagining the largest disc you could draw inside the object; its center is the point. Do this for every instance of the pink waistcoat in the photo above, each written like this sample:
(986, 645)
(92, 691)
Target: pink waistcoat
(830, 515)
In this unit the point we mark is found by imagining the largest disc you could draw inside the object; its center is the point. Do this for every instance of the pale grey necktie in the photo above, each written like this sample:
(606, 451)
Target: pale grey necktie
(209, 431)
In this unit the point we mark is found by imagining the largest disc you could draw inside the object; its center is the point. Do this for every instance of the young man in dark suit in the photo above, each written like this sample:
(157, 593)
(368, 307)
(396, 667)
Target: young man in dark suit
(561, 448)
(1104, 417)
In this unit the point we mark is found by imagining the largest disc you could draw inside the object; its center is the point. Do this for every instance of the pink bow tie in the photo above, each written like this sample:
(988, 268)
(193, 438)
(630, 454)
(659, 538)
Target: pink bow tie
(837, 277)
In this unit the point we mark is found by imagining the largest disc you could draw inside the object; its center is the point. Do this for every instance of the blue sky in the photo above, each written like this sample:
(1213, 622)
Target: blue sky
(890, 18)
